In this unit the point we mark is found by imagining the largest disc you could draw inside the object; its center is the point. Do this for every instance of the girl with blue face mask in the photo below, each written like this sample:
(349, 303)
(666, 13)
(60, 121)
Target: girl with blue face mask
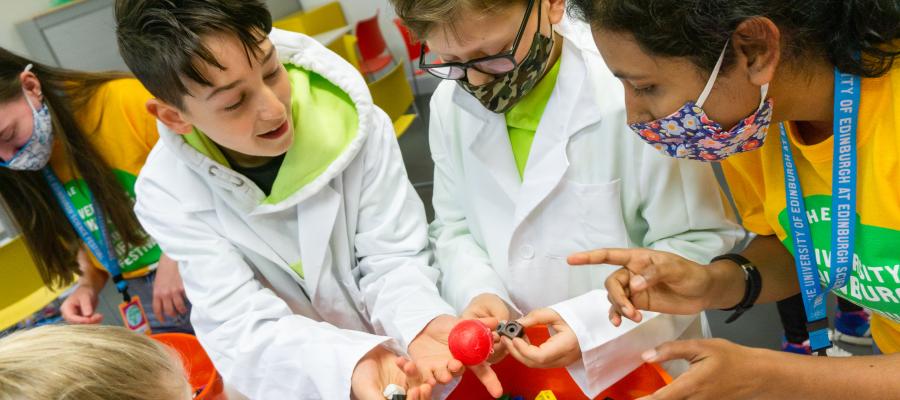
(34, 154)
(799, 100)
(71, 146)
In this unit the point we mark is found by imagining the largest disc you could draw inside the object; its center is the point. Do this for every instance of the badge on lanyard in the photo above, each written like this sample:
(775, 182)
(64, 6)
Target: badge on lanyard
(133, 315)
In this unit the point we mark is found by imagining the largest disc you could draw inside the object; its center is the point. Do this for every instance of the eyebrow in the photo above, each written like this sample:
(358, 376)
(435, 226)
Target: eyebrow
(269, 55)
(232, 85)
(626, 76)
(221, 89)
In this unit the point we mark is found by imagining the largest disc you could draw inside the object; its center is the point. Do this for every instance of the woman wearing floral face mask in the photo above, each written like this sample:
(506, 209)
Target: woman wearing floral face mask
(71, 146)
(801, 99)
(527, 171)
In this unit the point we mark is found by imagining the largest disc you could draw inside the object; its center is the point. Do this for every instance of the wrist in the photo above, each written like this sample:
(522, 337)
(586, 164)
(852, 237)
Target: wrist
(486, 296)
(726, 284)
(89, 287)
(774, 373)
(93, 280)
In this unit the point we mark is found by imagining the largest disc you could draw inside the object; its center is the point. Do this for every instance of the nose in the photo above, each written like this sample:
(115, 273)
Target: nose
(635, 111)
(478, 78)
(270, 106)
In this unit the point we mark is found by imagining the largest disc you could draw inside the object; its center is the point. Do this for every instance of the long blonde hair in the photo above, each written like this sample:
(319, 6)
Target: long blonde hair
(88, 362)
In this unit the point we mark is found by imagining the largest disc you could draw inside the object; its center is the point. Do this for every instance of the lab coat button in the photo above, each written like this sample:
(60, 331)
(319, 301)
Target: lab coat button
(527, 252)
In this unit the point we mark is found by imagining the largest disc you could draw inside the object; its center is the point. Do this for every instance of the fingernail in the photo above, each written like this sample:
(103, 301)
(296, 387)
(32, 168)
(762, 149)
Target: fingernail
(649, 355)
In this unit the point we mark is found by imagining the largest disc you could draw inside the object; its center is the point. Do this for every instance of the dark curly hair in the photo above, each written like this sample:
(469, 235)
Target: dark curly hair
(840, 30)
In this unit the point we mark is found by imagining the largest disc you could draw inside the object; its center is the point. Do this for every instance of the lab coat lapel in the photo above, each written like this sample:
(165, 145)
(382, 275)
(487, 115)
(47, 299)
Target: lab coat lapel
(571, 108)
(315, 223)
(486, 136)
(238, 226)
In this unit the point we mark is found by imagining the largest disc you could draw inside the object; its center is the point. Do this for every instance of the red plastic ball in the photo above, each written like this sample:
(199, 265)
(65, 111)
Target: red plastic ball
(471, 342)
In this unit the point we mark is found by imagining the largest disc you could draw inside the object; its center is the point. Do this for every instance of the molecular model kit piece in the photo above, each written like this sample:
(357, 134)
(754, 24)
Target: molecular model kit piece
(511, 329)
(545, 395)
(471, 342)
(394, 392)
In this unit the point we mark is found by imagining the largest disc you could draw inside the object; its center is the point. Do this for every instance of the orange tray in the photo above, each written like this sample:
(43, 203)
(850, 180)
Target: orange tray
(205, 380)
(519, 380)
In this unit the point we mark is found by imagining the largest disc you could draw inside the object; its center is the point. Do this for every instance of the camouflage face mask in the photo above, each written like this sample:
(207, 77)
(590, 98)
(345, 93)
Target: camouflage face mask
(506, 90)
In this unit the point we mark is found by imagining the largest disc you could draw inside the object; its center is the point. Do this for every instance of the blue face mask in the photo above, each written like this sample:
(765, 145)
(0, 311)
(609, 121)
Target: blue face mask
(35, 154)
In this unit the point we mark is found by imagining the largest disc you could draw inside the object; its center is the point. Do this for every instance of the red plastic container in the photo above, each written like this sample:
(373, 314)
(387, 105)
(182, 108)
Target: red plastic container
(519, 380)
(201, 372)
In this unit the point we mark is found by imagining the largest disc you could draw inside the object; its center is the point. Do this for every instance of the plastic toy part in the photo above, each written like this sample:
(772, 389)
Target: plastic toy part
(545, 395)
(511, 329)
(470, 342)
(394, 392)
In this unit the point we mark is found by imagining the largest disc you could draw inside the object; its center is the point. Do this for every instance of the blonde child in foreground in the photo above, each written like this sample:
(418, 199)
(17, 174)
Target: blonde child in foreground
(89, 362)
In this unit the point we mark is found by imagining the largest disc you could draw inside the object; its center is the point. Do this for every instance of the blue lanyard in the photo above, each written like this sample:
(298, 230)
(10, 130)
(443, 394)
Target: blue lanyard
(102, 249)
(847, 89)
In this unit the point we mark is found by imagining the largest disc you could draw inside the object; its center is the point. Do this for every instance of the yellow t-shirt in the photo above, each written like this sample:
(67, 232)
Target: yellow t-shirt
(756, 180)
(118, 126)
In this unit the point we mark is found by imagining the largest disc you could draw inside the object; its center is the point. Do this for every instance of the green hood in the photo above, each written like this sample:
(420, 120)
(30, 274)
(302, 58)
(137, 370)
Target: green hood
(325, 124)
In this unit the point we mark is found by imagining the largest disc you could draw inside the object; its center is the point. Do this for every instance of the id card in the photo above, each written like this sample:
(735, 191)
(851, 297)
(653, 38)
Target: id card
(134, 317)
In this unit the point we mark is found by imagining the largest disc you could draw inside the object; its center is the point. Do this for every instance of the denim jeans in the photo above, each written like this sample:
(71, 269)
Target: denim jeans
(143, 287)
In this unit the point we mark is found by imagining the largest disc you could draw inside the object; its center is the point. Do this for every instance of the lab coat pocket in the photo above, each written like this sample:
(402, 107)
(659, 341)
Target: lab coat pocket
(586, 217)
(350, 280)
(539, 283)
(602, 219)
(550, 280)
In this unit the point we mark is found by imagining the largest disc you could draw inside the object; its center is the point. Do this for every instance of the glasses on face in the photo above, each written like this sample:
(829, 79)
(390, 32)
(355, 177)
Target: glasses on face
(492, 65)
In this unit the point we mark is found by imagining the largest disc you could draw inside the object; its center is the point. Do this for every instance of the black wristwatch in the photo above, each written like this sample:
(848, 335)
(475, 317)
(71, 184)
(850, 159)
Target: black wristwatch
(752, 288)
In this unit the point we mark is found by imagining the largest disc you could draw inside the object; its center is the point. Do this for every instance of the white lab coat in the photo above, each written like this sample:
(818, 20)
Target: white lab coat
(589, 183)
(359, 230)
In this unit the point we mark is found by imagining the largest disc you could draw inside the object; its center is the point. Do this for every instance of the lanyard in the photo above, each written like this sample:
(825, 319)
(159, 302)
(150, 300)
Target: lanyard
(843, 209)
(101, 249)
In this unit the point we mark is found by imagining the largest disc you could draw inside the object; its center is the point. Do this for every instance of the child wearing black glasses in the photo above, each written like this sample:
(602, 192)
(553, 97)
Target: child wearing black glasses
(534, 161)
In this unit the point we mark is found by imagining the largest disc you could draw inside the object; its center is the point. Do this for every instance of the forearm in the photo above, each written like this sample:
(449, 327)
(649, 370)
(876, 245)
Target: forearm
(859, 378)
(776, 266)
(91, 276)
(166, 260)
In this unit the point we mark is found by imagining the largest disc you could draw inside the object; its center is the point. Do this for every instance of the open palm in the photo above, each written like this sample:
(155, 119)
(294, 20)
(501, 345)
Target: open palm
(431, 353)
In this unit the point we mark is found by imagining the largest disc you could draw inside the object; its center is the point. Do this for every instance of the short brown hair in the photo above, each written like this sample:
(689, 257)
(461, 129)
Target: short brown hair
(161, 41)
(421, 15)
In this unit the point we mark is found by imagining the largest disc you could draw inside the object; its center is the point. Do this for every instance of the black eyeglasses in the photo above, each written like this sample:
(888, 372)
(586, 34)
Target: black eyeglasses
(491, 65)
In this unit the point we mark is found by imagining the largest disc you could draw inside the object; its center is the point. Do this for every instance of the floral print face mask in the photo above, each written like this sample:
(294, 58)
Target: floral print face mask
(689, 133)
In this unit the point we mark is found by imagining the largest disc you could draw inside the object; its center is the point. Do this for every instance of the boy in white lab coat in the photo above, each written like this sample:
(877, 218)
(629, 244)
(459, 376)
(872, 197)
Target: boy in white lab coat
(533, 162)
(278, 187)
